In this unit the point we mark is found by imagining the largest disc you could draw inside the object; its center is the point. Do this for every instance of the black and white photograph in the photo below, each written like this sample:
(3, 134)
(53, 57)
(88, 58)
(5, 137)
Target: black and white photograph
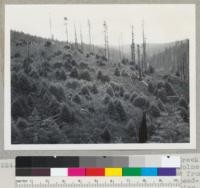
(112, 75)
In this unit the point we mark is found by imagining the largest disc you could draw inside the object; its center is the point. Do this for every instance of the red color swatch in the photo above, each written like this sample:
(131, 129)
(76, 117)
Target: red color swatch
(95, 172)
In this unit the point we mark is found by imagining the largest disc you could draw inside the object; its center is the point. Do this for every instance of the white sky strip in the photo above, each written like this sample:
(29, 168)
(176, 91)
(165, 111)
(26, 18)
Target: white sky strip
(163, 23)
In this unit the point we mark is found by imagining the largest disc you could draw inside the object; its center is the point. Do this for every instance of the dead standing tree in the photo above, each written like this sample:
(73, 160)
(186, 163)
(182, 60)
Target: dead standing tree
(139, 62)
(143, 130)
(120, 50)
(81, 38)
(50, 28)
(66, 28)
(106, 48)
(144, 60)
(133, 47)
(89, 34)
(75, 37)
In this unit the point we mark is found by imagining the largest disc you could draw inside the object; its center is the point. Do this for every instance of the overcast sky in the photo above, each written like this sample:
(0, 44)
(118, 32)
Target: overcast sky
(163, 23)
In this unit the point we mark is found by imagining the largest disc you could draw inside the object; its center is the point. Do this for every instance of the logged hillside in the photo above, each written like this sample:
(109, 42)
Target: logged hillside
(61, 94)
(174, 59)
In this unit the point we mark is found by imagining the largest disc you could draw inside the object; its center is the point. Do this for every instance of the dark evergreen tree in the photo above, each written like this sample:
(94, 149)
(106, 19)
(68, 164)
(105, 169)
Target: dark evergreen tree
(143, 130)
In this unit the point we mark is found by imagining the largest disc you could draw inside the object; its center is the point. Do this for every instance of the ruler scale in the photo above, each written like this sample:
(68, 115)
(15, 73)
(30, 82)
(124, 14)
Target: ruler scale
(152, 182)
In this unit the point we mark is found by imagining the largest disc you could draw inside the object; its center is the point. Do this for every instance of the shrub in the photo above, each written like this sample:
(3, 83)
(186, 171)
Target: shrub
(106, 135)
(49, 133)
(118, 90)
(133, 96)
(85, 90)
(154, 110)
(22, 123)
(34, 74)
(67, 56)
(77, 99)
(73, 84)
(177, 74)
(85, 75)
(169, 89)
(182, 102)
(74, 73)
(44, 68)
(60, 75)
(43, 136)
(28, 135)
(115, 86)
(160, 105)
(116, 110)
(66, 47)
(121, 91)
(184, 114)
(28, 60)
(106, 99)
(124, 73)
(83, 65)
(126, 96)
(117, 72)
(54, 106)
(24, 84)
(151, 69)
(104, 58)
(19, 108)
(66, 115)
(48, 44)
(43, 53)
(57, 65)
(140, 102)
(58, 92)
(30, 100)
(15, 134)
(17, 54)
(125, 61)
(131, 128)
(103, 78)
(120, 110)
(94, 89)
(14, 80)
(99, 75)
(111, 109)
(160, 85)
(100, 62)
(27, 67)
(54, 134)
(68, 66)
(73, 63)
(110, 91)
(161, 93)
(57, 53)
(151, 87)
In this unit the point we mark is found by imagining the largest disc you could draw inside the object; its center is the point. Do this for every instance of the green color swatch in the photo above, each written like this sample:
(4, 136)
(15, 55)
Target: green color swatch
(131, 171)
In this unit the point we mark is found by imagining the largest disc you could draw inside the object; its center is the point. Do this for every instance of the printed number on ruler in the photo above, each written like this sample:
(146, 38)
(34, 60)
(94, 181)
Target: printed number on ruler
(119, 182)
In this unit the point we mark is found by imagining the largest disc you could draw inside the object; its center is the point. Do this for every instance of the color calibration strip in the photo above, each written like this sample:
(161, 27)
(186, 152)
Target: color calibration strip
(107, 172)
(99, 162)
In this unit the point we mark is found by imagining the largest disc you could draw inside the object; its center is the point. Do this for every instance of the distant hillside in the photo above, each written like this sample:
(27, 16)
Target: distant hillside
(62, 94)
(174, 59)
(152, 48)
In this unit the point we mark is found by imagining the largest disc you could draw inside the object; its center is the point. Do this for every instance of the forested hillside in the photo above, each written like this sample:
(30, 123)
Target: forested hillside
(63, 94)
(174, 59)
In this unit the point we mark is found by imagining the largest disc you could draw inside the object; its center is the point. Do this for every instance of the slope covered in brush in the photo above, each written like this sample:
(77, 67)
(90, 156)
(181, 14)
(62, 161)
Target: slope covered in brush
(61, 94)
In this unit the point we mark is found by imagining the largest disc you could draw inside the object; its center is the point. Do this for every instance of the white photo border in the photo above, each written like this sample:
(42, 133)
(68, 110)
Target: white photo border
(146, 146)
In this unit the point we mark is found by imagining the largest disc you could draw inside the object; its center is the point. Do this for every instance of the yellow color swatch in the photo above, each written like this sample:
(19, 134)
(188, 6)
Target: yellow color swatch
(113, 171)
